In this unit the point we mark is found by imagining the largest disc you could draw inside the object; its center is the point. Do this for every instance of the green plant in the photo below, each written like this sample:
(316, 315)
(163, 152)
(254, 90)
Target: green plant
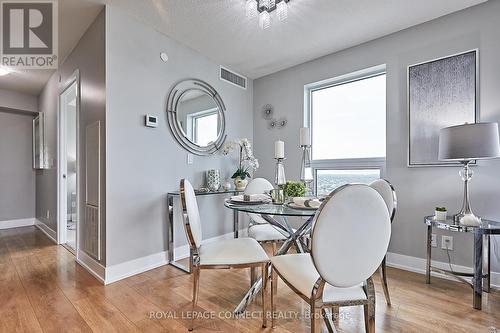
(241, 172)
(294, 189)
(441, 209)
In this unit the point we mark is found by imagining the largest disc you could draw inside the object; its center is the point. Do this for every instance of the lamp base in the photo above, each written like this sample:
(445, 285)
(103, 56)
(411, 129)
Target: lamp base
(468, 220)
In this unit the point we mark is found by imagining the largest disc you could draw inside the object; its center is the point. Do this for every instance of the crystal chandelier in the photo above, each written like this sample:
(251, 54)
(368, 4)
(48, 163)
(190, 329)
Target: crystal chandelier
(264, 8)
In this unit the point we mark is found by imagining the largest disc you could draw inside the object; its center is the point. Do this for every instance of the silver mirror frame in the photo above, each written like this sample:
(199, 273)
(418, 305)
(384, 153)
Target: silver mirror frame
(174, 98)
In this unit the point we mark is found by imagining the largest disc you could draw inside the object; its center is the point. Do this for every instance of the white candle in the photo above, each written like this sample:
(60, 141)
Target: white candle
(279, 149)
(305, 136)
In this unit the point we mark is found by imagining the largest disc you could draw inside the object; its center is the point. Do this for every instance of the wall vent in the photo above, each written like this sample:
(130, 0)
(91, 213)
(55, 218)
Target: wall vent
(233, 78)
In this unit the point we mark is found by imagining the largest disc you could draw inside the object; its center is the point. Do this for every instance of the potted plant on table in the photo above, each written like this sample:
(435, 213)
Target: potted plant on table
(247, 162)
(440, 213)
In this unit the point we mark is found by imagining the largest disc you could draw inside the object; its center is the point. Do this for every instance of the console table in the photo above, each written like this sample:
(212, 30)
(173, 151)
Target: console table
(170, 203)
(481, 270)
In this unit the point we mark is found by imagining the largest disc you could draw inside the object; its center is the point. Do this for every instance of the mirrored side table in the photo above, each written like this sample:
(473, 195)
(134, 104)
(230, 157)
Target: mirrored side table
(481, 269)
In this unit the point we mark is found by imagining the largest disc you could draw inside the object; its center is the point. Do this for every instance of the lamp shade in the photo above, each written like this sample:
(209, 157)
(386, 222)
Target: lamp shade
(469, 142)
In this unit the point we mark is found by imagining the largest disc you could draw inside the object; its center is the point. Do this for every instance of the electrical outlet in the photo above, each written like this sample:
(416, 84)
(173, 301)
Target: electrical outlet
(434, 241)
(447, 243)
(189, 158)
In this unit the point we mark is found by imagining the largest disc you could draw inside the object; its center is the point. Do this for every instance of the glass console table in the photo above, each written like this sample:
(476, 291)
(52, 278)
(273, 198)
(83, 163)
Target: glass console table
(481, 271)
(171, 245)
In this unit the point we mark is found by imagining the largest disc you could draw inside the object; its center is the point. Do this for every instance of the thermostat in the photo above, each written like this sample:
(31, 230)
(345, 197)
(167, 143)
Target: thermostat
(151, 121)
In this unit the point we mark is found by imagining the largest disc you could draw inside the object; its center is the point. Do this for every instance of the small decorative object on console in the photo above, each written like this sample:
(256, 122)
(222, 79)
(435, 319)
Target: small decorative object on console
(440, 213)
(213, 180)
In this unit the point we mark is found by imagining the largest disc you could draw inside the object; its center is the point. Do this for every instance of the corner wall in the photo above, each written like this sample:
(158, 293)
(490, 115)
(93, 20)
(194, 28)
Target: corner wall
(419, 189)
(144, 164)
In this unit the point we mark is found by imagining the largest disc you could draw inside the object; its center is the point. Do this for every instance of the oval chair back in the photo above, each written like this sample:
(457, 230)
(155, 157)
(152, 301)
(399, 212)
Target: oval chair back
(386, 190)
(350, 235)
(258, 186)
(191, 214)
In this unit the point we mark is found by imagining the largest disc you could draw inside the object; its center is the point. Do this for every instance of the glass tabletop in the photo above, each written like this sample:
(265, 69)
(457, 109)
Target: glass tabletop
(271, 209)
(486, 227)
(198, 192)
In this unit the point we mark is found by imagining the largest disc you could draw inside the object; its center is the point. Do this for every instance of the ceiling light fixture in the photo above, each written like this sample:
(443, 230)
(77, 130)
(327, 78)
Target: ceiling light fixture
(4, 71)
(264, 8)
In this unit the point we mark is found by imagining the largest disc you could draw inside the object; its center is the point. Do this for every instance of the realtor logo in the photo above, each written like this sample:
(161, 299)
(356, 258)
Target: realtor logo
(29, 34)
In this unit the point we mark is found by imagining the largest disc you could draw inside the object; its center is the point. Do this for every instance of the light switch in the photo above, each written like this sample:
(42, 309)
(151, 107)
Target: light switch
(189, 159)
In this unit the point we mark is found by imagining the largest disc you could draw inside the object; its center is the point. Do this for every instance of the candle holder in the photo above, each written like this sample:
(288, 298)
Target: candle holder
(279, 174)
(306, 175)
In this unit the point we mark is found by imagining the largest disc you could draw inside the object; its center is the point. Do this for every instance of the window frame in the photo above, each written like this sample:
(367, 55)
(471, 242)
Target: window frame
(376, 163)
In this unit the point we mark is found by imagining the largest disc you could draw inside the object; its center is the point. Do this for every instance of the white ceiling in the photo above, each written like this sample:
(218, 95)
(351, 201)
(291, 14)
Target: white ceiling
(75, 16)
(220, 30)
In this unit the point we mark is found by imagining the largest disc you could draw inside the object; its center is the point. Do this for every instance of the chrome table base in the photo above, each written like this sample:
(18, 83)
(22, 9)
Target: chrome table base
(481, 271)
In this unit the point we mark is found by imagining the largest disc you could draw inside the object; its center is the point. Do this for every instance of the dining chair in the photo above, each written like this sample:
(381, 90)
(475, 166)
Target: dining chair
(223, 254)
(350, 236)
(386, 190)
(259, 229)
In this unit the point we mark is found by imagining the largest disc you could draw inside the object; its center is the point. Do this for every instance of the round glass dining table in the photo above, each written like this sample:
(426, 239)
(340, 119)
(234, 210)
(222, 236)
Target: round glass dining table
(277, 216)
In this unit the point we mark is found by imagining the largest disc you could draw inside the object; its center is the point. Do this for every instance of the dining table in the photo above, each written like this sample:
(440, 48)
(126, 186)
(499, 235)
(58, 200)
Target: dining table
(277, 215)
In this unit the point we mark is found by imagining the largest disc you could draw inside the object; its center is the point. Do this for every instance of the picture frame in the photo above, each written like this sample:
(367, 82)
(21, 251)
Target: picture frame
(441, 92)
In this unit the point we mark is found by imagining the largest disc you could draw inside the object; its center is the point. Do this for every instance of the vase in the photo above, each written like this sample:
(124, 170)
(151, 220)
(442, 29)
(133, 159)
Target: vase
(213, 180)
(240, 184)
(440, 216)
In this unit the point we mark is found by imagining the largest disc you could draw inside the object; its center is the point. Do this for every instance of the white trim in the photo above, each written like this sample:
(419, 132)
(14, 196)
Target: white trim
(43, 227)
(17, 223)
(136, 266)
(91, 265)
(417, 265)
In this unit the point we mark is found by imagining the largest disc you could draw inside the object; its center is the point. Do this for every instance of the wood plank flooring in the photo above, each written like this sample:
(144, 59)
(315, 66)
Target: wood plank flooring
(42, 289)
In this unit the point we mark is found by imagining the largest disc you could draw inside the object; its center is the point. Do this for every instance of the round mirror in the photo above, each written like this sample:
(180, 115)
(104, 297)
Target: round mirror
(196, 117)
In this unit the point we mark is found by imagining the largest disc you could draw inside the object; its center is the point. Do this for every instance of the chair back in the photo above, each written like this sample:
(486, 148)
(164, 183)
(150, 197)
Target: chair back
(258, 186)
(386, 190)
(191, 214)
(350, 235)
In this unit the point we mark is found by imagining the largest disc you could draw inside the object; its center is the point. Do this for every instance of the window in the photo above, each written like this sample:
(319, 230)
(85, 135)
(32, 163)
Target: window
(347, 117)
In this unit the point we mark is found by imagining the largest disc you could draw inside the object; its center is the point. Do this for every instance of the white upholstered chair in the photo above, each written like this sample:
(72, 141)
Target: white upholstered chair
(350, 236)
(386, 190)
(259, 229)
(224, 254)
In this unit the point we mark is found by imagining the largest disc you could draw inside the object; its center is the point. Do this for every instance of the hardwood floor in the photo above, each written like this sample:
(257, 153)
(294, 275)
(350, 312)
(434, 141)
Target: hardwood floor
(42, 289)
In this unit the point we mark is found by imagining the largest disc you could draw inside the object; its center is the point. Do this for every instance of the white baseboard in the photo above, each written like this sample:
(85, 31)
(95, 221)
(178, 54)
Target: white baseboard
(46, 230)
(17, 223)
(92, 266)
(417, 265)
(136, 266)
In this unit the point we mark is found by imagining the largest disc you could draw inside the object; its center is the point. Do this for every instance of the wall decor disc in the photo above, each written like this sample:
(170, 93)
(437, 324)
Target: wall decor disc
(273, 123)
(267, 111)
(282, 123)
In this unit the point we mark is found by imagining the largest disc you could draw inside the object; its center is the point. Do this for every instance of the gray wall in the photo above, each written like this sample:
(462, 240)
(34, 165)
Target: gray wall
(419, 189)
(89, 57)
(17, 177)
(144, 164)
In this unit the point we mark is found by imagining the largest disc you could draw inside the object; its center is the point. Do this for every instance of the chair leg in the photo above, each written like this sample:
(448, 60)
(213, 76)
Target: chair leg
(265, 291)
(383, 278)
(369, 308)
(274, 247)
(196, 287)
(274, 292)
(253, 275)
(315, 318)
(335, 313)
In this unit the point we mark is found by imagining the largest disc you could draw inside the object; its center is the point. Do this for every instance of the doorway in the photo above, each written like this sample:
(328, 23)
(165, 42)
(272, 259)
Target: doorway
(68, 153)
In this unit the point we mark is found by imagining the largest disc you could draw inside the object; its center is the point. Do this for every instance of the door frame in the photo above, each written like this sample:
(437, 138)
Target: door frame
(62, 165)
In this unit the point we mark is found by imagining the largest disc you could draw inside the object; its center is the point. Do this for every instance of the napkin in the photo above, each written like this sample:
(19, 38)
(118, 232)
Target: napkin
(306, 202)
(253, 197)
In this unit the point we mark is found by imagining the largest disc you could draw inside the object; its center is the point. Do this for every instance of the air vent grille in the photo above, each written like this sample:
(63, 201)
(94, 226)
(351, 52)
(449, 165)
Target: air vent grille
(233, 78)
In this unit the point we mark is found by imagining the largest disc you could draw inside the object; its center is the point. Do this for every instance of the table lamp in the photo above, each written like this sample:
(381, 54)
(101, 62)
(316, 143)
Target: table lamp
(466, 143)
